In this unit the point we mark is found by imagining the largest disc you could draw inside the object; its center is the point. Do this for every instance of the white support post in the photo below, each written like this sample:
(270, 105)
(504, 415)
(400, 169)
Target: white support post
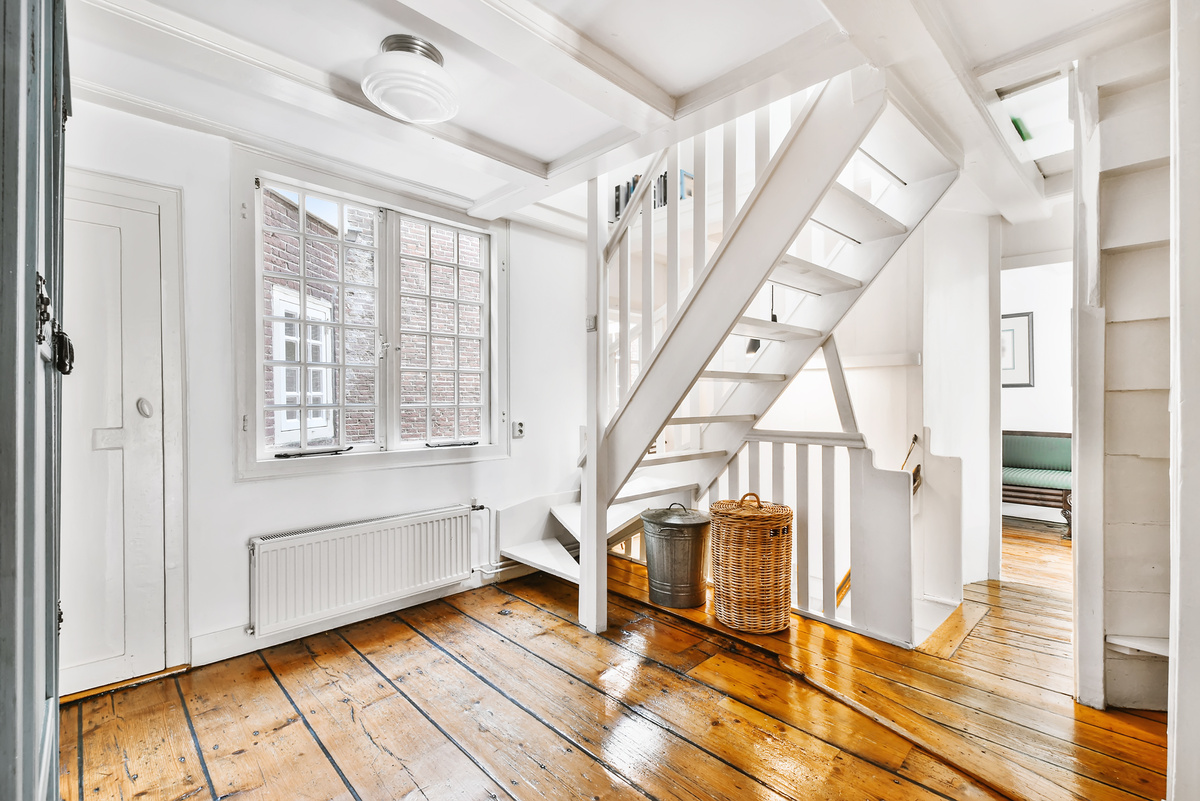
(624, 290)
(735, 479)
(647, 305)
(754, 477)
(1183, 710)
(729, 177)
(800, 527)
(829, 577)
(762, 140)
(837, 382)
(699, 205)
(593, 547)
(777, 472)
(672, 232)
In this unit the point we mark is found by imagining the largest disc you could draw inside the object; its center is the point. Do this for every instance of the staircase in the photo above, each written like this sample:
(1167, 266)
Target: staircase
(805, 211)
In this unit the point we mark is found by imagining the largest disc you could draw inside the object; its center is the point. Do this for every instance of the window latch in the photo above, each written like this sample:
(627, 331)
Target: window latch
(384, 347)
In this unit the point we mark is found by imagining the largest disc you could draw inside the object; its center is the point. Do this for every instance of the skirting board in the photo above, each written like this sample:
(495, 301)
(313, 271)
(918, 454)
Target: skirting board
(231, 642)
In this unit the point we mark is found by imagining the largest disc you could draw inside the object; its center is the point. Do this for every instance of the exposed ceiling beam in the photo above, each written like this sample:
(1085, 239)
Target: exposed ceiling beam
(811, 58)
(531, 38)
(1049, 55)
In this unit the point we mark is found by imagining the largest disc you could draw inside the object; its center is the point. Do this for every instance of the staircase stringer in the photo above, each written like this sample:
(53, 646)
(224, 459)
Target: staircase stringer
(807, 163)
(789, 358)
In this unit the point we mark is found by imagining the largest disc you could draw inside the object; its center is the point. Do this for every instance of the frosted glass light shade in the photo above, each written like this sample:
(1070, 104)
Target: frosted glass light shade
(410, 87)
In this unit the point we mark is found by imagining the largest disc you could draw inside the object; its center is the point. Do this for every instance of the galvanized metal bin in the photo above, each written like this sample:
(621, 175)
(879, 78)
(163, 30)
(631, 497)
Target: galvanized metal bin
(676, 543)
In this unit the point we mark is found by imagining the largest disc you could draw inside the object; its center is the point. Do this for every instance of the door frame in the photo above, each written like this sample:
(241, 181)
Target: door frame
(167, 203)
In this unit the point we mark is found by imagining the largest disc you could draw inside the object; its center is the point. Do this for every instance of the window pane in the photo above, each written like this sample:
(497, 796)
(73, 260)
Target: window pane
(443, 316)
(360, 386)
(360, 226)
(322, 386)
(281, 208)
(469, 423)
(470, 388)
(281, 340)
(468, 250)
(360, 306)
(470, 320)
(281, 296)
(470, 285)
(321, 217)
(414, 314)
(469, 354)
(281, 385)
(281, 428)
(414, 350)
(442, 426)
(442, 387)
(322, 344)
(414, 277)
(412, 388)
(324, 427)
(360, 346)
(360, 426)
(321, 260)
(281, 253)
(360, 266)
(414, 238)
(441, 243)
(442, 353)
(413, 424)
(321, 302)
(442, 281)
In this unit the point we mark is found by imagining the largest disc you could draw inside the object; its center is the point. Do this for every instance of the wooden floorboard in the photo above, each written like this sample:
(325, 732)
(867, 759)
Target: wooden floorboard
(498, 693)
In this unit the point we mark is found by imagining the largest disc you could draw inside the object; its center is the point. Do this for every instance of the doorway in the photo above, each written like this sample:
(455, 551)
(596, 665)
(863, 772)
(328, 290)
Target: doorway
(121, 436)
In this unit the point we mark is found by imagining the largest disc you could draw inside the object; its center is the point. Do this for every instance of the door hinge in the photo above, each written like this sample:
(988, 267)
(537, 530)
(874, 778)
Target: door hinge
(44, 313)
(245, 422)
(60, 615)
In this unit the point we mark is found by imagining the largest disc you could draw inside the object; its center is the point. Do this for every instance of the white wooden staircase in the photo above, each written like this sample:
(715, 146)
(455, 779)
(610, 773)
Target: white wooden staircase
(843, 188)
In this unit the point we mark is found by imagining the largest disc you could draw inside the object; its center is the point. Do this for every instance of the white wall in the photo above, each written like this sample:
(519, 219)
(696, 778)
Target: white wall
(546, 378)
(1045, 291)
(958, 383)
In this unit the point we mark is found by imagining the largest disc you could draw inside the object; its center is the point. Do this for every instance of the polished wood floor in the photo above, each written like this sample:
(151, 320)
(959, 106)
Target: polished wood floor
(497, 693)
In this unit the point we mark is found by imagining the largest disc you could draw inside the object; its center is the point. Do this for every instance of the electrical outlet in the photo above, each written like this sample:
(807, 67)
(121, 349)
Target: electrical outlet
(518, 430)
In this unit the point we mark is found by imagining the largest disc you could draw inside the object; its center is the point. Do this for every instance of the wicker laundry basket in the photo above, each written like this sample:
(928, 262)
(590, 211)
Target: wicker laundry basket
(751, 545)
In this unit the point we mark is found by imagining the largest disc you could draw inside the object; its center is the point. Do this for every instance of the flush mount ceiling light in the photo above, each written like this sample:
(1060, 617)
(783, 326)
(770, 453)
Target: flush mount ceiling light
(407, 80)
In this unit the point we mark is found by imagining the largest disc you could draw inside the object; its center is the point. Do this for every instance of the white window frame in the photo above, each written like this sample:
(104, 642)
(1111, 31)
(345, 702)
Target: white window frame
(253, 461)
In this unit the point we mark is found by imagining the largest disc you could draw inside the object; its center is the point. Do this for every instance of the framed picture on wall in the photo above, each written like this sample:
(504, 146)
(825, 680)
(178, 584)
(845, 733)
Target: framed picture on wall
(1016, 350)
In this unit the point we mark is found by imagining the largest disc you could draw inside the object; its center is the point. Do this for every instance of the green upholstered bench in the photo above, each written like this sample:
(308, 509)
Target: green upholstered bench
(1037, 471)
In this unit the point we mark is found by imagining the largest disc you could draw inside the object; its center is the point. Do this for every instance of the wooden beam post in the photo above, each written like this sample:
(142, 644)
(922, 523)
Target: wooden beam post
(593, 545)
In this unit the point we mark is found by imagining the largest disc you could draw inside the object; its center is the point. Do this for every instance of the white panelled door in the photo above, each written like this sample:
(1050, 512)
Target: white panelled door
(112, 568)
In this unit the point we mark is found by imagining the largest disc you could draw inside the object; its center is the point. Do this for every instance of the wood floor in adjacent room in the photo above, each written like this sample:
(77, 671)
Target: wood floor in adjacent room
(497, 693)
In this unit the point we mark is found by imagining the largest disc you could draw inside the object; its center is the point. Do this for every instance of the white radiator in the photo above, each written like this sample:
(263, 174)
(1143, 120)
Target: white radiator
(302, 577)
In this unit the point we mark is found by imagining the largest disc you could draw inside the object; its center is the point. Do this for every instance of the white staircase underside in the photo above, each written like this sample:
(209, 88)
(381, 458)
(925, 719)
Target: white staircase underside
(807, 277)
(775, 331)
(548, 555)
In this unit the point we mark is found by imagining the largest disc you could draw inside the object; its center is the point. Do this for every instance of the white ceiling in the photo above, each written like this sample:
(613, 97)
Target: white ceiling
(557, 91)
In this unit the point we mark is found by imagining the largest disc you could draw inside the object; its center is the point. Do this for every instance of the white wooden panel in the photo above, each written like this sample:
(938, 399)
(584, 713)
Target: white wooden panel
(735, 484)
(762, 140)
(624, 290)
(672, 231)
(937, 526)
(1136, 490)
(1137, 423)
(880, 548)
(777, 472)
(1137, 557)
(1137, 355)
(754, 470)
(829, 576)
(1140, 614)
(699, 205)
(1137, 682)
(728, 176)
(1134, 209)
(1134, 126)
(1136, 284)
(800, 531)
(648, 302)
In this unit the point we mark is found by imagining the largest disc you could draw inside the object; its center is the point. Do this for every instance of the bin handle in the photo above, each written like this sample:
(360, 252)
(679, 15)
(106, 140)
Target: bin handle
(753, 495)
(680, 505)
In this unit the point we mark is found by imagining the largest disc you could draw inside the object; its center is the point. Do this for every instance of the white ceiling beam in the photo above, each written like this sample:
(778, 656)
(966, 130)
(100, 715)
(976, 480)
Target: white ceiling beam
(811, 58)
(531, 38)
(161, 36)
(1050, 55)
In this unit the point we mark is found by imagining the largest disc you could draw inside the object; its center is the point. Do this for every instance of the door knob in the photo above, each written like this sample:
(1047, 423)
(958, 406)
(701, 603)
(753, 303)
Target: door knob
(144, 407)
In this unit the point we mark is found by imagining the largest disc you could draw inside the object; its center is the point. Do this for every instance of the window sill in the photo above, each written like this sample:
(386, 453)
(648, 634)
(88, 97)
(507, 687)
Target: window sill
(251, 469)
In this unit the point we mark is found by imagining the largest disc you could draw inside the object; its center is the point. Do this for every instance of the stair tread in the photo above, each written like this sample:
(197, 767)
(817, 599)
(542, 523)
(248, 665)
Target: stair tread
(548, 555)
(640, 487)
(854, 217)
(807, 277)
(620, 516)
(679, 456)
(766, 329)
(712, 418)
(730, 375)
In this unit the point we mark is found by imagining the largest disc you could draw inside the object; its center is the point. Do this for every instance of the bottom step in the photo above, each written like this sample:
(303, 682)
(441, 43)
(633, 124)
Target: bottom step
(548, 555)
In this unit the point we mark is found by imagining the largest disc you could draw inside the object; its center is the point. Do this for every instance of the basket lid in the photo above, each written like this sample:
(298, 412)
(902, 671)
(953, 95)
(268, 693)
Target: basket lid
(746, 509)
(675, 515)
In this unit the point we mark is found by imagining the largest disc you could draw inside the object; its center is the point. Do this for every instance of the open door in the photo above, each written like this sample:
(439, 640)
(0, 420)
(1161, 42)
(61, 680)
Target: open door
(33, 97)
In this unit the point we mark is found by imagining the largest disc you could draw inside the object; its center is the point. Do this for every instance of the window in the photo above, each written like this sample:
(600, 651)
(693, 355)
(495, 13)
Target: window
(375, 330)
